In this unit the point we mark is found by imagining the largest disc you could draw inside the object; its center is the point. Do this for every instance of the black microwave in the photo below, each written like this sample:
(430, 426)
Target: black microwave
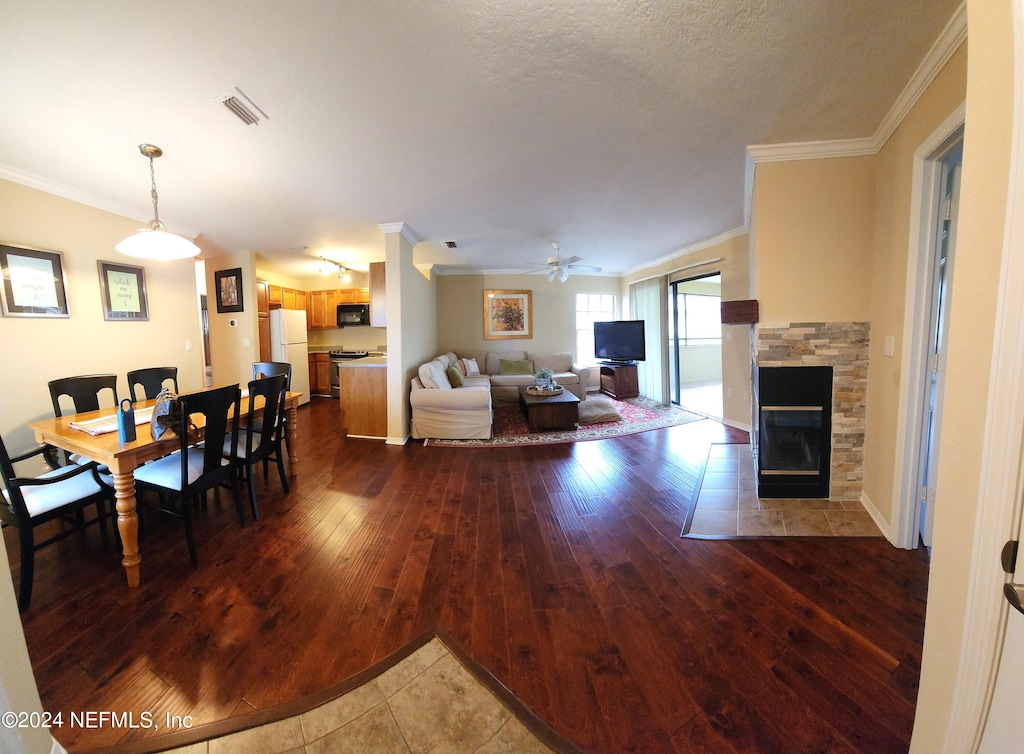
(353, 314)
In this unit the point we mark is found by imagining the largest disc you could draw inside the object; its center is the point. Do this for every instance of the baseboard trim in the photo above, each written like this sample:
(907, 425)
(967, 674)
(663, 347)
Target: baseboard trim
(876, 516)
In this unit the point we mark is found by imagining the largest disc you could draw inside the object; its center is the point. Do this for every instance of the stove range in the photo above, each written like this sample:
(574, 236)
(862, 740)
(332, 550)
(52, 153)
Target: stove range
(348, 354)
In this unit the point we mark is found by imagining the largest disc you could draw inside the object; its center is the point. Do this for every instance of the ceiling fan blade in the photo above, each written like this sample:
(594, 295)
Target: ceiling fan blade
(571, 260)
(584, 267)
(539, 269)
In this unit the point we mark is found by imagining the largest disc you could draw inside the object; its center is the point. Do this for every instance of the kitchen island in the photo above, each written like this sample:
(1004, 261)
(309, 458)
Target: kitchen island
(364, 397)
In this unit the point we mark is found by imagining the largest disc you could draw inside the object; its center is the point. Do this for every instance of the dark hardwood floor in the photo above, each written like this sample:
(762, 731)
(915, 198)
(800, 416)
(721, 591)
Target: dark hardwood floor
(558, 568)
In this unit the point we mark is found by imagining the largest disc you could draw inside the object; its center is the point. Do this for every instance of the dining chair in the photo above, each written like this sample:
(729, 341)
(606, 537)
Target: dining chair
(28, 502)
(262, 369)
(85, 392)
(152, 381)
(181, 478)
(254, 446)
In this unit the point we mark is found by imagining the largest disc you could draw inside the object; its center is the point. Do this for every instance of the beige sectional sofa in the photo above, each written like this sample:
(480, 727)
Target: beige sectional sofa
(465, 412)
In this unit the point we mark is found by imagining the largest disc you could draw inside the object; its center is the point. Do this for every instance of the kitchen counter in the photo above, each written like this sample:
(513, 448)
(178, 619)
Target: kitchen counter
(364, 399)
(366, 361)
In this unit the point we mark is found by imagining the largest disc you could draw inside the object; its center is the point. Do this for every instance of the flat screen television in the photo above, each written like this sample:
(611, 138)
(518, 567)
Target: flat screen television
(621, 342)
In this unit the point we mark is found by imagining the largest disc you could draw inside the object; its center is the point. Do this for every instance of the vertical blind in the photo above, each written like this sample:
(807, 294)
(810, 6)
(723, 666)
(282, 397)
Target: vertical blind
(648, 301)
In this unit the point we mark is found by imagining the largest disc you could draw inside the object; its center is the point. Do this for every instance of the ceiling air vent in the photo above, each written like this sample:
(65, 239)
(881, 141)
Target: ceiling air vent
(449, 244)
(242, 107)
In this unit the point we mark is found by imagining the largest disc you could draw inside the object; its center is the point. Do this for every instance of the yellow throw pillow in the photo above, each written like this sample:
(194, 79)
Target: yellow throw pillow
(516, 366)
(455, 376)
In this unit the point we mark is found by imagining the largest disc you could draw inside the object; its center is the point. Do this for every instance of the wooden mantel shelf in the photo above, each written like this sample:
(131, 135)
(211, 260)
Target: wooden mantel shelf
(740, 312)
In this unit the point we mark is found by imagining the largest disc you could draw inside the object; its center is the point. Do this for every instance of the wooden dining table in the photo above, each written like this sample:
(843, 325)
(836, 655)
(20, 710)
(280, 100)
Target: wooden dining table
(123, 458)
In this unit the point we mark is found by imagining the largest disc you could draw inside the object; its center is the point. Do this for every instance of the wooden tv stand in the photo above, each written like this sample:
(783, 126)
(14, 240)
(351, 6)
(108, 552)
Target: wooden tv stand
(619, 381)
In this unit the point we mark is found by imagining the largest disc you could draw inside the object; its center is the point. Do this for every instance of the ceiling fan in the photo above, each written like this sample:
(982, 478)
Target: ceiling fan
(558, 268)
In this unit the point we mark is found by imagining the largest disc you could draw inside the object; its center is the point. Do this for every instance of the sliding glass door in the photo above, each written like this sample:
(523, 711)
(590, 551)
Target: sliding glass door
(695, 344)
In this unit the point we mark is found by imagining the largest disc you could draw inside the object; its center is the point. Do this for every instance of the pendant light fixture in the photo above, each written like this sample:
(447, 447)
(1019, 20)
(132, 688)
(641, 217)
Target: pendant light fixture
(155, 241)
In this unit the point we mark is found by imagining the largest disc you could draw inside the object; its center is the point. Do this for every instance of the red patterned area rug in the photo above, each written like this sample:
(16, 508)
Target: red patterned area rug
(638, 415)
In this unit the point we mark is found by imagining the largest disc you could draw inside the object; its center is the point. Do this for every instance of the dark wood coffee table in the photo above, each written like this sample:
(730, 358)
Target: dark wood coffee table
(550, 412)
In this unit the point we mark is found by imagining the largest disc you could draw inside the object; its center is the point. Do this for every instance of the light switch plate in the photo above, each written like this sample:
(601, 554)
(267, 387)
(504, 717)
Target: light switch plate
(890, 346)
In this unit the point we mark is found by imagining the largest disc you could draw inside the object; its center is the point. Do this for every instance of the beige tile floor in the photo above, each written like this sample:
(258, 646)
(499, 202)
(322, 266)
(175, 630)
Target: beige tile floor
(728, 506)
(428, 702)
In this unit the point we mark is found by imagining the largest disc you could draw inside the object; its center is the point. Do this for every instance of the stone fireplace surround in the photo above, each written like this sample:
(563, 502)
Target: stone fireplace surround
(844, 347)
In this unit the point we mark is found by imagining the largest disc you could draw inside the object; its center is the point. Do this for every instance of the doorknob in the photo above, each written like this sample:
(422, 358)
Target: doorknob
(1014, 594)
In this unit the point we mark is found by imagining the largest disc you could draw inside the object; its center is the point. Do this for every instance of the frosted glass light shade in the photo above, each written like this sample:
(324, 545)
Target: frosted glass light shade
(157, 244)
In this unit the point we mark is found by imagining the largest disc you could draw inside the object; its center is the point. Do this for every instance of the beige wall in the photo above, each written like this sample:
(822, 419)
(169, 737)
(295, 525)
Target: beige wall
(460, 310)
(814, 240)
(889, 259)
(411, 301)
(735, 268)
(983, 200)
(37, 350)
(234, 338)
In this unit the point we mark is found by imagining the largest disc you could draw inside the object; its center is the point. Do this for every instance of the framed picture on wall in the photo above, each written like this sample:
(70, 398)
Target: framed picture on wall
(508, 314)
(228, 284)
(33, 283)
(123, 290)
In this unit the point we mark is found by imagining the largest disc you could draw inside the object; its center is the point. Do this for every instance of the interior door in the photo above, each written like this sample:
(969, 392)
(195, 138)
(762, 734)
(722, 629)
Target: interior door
(942, 275)
(1003, 728)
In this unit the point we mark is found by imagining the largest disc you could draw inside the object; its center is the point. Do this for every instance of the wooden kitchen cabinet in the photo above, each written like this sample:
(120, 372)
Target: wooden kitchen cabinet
(364, 397)
(275, 296)
(263, 319)
(319, 374)
(322, 306)
(378, 311)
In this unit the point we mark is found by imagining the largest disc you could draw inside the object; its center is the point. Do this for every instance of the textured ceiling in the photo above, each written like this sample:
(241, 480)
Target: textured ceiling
(617, 128)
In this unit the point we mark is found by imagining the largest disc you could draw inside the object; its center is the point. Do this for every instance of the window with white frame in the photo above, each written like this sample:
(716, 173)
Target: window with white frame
(591, 308)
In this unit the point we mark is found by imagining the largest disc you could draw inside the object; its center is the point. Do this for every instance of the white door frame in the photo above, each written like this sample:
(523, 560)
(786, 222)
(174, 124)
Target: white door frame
(1000, 488)
(924, 204)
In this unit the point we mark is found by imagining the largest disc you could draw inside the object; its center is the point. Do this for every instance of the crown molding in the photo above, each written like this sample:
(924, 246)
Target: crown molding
(402, 228)
(687, 250)
(90, 200)
(949, 41)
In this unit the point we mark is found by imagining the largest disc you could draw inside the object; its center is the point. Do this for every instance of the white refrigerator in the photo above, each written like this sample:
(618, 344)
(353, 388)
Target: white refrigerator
(288, 343)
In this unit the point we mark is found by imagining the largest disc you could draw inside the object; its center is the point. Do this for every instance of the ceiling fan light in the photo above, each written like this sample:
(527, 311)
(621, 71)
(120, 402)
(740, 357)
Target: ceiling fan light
(551, 274)
(157, 243)
(563, 274)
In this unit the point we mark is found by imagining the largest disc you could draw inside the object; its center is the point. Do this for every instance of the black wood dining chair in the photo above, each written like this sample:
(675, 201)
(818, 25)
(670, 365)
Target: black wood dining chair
(261, 369)
(261, 445)
(60, 493)
(152, 380)
(181, 478)
(85, 393)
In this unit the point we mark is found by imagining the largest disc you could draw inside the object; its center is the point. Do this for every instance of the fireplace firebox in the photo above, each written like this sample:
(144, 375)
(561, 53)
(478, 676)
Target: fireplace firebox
(792, 437)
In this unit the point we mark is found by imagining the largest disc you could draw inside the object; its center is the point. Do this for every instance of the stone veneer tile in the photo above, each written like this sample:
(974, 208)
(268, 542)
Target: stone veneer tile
(844, 346)
(445, 709)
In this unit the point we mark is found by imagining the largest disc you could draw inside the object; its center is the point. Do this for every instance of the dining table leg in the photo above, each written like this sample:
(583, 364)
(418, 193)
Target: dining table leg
(291, 427)
(128, 524)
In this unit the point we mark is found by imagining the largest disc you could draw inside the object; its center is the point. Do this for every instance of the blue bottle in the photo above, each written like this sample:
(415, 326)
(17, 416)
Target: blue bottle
(126, 421)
